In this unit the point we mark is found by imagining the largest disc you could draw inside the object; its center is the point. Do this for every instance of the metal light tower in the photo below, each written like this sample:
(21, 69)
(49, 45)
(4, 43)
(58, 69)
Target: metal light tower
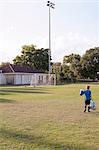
(50, 5)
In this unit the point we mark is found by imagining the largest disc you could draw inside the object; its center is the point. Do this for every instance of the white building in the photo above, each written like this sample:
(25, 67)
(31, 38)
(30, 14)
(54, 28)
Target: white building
(16, 75)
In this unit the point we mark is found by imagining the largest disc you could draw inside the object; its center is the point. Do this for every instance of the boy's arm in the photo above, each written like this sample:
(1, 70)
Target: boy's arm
(82, 92)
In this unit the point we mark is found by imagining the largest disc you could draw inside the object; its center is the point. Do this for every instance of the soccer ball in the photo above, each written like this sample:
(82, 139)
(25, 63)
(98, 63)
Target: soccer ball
(81, 92)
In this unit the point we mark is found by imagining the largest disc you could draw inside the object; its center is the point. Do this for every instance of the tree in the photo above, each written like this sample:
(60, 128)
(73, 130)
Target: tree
(4, 64)
(71, 66)
(90, 63)
(56, 69)
(33, 57)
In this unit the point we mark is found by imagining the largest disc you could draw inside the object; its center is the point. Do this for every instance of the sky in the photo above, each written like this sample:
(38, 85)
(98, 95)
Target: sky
(74, 27)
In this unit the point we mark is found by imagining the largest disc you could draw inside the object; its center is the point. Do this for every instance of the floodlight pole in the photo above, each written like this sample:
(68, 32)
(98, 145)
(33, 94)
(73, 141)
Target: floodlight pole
(50, 5)
(49, 42)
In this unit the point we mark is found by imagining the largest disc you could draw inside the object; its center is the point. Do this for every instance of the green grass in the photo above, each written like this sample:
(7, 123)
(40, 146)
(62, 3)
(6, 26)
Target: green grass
(48, 118)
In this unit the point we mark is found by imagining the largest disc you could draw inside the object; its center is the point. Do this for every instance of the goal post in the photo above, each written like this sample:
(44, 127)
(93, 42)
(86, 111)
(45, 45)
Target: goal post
(42, 79)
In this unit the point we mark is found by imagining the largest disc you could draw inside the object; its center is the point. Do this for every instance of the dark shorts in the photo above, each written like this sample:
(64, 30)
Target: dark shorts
(87, 102)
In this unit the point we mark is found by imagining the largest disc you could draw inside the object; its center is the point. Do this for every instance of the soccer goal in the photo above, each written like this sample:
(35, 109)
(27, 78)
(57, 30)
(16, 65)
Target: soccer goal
(43, 79)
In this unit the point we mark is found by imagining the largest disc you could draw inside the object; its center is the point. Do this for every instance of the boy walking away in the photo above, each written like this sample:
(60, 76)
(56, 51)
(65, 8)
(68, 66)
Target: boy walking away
(87, 94)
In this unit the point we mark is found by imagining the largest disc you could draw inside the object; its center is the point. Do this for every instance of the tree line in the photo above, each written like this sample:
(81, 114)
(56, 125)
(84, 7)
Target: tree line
(77, 67)
(72, 68)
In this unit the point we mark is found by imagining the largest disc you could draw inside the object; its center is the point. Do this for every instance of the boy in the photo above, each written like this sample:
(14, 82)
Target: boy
(87, 94)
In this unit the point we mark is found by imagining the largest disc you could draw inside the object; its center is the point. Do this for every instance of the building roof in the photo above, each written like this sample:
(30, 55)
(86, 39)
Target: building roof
(11, 68)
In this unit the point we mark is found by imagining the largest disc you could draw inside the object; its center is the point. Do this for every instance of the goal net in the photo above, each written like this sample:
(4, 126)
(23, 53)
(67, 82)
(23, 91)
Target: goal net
(43, 79)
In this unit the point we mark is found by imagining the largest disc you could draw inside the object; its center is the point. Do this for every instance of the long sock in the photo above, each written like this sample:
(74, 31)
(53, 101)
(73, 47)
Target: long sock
(85, 109)
(88, 108)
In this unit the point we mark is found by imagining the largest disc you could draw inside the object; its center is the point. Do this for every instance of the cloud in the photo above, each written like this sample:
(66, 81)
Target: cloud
(20, 1)
(10, 29)
(61, 45)
(71, 43)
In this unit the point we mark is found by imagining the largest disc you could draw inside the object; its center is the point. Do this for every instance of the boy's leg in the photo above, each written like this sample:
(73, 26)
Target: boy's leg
(88, 108)
(85, 108)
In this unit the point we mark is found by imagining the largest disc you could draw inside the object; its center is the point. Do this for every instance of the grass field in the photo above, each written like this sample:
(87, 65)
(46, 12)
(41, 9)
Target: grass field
(48, 118)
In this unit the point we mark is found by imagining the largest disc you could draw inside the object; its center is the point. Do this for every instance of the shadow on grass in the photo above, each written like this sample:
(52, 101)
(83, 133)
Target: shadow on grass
(4, 93)
(2, 100)
(10, 91)
(41, 141)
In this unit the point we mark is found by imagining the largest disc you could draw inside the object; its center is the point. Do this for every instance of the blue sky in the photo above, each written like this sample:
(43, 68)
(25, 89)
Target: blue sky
(74, 26)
